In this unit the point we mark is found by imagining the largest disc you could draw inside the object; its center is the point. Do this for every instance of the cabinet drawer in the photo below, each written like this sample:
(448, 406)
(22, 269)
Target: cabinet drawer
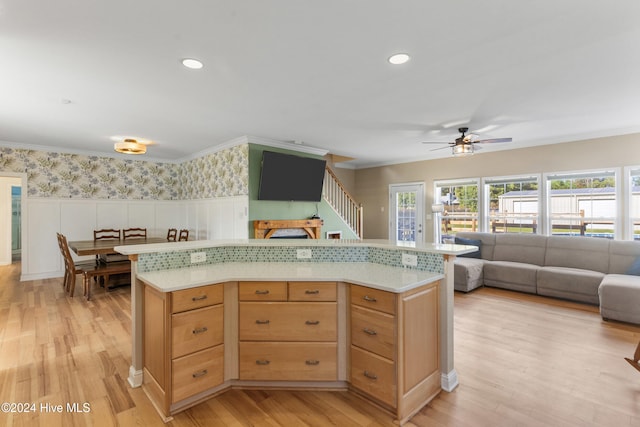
(287, 321)
(197, 372)
(201, 296)
(373, 298)
(197, 329)
(374, 331)
(262, 291)
(312, 291)
(288, 361)
(373, 375)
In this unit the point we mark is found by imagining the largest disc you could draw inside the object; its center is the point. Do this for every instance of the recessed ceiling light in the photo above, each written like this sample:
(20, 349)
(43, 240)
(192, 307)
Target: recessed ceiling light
(399, 58)
(194, 64)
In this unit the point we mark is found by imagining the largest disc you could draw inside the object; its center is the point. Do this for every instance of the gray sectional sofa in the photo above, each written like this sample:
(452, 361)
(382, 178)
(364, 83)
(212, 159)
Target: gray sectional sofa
(589, 270)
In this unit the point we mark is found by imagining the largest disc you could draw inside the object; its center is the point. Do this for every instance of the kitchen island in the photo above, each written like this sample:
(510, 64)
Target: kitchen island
(294, 314)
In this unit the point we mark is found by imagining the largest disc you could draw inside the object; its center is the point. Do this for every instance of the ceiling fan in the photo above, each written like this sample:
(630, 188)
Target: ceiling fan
(465, 144)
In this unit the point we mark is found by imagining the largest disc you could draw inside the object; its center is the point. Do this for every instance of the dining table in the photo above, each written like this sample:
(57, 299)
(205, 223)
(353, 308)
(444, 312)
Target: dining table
(106, 247)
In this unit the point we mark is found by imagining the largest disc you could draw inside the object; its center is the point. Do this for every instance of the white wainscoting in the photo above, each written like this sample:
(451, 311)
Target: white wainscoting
(221, 218)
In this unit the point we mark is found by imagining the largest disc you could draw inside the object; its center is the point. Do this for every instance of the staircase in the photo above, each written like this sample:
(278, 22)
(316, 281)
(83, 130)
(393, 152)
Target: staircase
(342, 202)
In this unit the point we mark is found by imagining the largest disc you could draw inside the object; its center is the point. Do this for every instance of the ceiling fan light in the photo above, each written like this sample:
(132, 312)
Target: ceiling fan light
(460, 150)
(130, 146)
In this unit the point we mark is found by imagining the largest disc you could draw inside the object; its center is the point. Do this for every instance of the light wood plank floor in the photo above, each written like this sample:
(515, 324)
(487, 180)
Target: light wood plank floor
(522, 361)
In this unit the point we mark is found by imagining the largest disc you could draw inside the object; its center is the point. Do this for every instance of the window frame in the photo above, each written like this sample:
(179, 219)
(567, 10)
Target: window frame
(486, 194)
(438, 184)
(618, 224)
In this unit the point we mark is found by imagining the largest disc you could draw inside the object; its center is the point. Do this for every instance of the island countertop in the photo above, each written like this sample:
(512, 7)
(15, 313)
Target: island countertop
(444, 249)
(386, 278)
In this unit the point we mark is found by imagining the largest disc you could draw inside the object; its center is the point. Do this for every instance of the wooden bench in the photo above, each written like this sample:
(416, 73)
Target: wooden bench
(104, 270)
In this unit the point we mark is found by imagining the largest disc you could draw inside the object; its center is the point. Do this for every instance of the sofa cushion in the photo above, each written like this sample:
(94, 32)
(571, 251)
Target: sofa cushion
(570, 283)
(623, 255)
(634, 270)
(470, 242)
(516, 276)
(467, 274)
(586, 253)
(524, 248)
(488, 242)
(620, 298)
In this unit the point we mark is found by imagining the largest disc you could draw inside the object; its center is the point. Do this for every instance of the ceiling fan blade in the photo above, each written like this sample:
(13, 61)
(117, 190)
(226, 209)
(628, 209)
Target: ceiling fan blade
(436, 142)
(441, 148)
(493, 141)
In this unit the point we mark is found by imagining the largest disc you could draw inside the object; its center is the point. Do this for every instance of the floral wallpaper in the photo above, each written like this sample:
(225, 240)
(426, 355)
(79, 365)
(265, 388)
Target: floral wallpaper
(63, 175)
(221, 174)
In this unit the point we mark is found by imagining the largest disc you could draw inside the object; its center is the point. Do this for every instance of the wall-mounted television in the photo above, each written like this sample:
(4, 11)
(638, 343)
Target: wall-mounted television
(287, 177)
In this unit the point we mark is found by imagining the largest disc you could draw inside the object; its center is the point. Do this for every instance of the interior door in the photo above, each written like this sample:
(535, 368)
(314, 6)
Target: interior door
(406, 213)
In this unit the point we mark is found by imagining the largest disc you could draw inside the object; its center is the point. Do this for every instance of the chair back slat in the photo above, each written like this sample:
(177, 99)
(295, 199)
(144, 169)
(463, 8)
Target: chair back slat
(106, 233)
(129, 233)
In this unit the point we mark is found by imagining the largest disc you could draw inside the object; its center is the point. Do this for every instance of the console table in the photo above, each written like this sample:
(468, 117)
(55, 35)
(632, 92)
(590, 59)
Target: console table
(264, 229)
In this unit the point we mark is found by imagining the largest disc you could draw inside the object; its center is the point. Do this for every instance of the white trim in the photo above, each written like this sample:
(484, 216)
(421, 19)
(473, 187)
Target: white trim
(449, 380)
(483, 206)
(135, 377)
(109, 154)
(420, 209)
(619, 220)
(245, 139)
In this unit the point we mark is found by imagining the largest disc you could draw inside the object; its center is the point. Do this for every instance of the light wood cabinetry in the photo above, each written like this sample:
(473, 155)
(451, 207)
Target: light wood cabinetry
(382, 345)
(287, 331)
(183, 345)
(394, 347)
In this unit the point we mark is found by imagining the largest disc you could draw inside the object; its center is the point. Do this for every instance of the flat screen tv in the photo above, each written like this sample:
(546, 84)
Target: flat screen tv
(287, 177)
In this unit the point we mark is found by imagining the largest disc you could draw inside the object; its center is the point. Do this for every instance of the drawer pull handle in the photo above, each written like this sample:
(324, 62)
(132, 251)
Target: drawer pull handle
(312, 322)
(259, 292)
(370, 375)
(262, 362)
(312, 362)
(369, 299)
(312, 292)
(262, 322)
(200, 373)
(200, 330)
(369, 331)
(200, 298)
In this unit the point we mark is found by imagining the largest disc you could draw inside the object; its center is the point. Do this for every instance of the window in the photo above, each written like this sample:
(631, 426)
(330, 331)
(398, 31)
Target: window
(460, 200)
(634, 203)
(512, 204)
(582, 204)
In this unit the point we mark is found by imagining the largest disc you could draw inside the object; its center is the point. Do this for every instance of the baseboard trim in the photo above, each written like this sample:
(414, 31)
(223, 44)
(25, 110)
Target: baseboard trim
(135, 377)
(449, 381)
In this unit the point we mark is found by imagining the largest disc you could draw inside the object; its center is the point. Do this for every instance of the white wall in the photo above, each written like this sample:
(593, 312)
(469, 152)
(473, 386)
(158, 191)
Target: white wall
(5, 217)
(220, 218)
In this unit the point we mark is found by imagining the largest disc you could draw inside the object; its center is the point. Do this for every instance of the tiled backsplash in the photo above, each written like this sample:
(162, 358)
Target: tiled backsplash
(181, 259)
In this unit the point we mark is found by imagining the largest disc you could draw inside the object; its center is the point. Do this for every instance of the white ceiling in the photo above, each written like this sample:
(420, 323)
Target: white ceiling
(316, 72)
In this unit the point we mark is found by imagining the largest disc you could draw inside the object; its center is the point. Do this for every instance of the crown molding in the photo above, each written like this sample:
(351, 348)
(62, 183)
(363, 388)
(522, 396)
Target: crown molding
(245, 139)
(49, 149)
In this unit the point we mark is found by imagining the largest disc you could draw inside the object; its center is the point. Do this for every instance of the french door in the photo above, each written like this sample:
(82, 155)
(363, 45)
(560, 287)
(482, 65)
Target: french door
(406, 212)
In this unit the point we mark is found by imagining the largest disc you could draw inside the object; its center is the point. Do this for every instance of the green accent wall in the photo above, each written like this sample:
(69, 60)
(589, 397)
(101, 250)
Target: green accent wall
(267, 209)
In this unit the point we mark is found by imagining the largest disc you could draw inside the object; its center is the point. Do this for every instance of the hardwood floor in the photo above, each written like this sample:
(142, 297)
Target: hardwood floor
(522, 360)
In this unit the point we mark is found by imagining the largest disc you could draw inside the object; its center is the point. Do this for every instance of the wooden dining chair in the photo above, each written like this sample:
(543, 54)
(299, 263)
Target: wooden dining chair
(103, 271)
(138, 233)
(106, 233)
(184, 235)
(172, 235)
(71, 268)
